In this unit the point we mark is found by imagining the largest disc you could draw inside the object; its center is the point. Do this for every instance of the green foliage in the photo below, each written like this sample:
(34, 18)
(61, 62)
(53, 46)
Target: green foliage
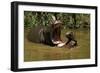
(69, 20)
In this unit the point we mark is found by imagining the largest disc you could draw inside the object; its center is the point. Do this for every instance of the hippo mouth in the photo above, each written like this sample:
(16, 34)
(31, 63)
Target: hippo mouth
(56, 36)
(57, 41)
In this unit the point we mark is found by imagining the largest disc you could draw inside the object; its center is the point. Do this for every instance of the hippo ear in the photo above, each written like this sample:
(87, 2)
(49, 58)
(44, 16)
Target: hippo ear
(54, 18)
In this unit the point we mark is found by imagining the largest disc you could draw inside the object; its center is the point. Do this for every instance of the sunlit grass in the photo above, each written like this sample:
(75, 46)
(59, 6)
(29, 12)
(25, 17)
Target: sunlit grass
(41, 52)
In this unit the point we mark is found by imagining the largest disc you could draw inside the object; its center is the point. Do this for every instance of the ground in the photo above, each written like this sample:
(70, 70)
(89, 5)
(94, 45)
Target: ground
(41, 52)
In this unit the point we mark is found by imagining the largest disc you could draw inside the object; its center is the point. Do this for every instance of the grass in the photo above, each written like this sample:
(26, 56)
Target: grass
(41, 52)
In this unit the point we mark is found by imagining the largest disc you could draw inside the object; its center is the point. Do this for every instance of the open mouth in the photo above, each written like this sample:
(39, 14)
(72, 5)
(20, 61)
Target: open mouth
(56, 36)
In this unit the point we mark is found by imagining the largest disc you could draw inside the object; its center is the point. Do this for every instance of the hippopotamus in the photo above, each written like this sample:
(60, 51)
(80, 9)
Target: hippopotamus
(51, 35)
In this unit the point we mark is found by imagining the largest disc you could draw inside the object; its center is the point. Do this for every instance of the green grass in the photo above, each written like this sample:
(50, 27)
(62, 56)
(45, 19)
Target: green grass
(41, 52)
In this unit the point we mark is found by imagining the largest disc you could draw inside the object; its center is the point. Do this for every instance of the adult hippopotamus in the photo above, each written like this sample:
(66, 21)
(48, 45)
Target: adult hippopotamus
(51, 35)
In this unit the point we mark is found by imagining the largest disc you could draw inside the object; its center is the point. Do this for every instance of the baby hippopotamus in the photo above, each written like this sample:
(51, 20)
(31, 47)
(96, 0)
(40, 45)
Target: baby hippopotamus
(72, 42)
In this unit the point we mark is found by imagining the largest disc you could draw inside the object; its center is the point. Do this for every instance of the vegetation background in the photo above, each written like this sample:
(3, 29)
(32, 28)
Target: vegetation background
(79, 23)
